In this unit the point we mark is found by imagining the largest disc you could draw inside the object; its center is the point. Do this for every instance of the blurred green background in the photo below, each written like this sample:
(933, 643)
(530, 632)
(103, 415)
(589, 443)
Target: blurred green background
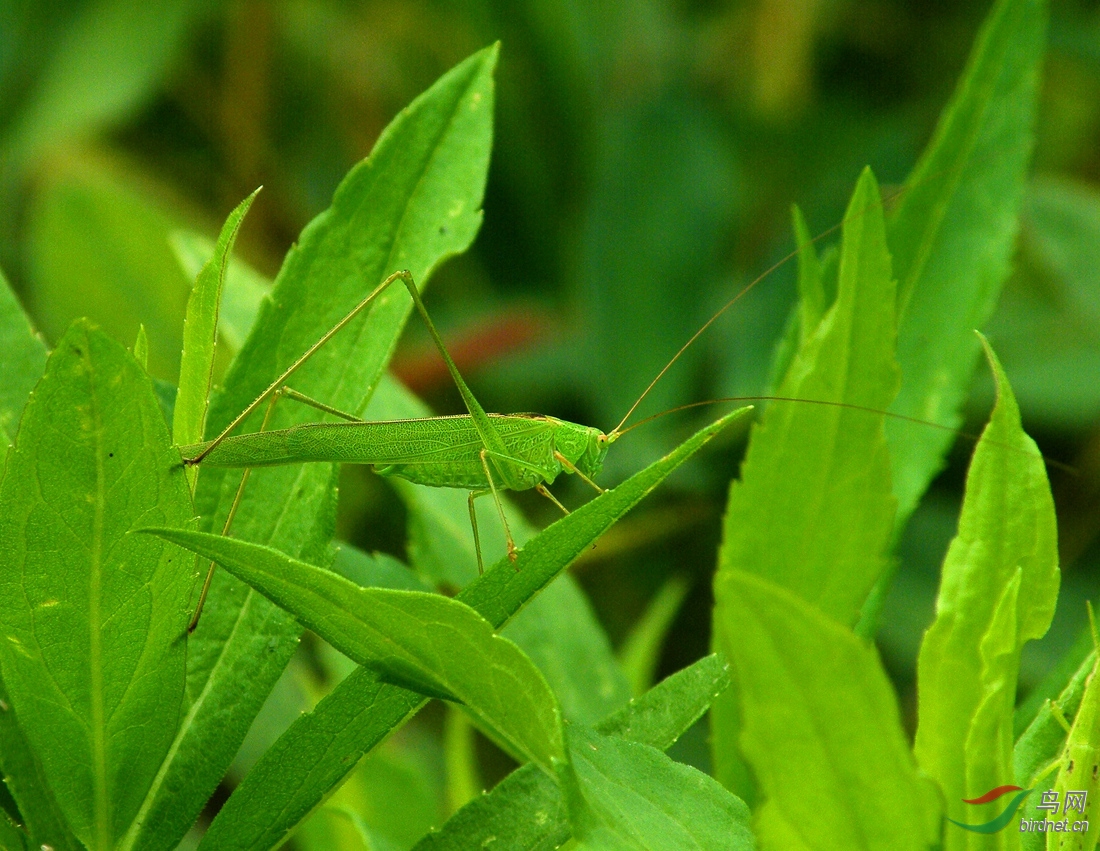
(646, 156)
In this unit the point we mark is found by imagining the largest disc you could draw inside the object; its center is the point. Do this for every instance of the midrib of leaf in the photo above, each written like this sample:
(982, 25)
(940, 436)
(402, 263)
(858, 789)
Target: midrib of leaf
(95, 605)
(193, 711)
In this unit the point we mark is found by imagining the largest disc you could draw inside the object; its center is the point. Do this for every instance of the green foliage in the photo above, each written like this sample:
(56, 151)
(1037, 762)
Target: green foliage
(117, 725)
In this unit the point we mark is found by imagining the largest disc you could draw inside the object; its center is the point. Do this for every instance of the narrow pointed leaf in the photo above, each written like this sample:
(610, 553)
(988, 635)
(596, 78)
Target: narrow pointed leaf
(810, 468)
(92, 617)
(953, 234)
(200, 328)
(998, 591)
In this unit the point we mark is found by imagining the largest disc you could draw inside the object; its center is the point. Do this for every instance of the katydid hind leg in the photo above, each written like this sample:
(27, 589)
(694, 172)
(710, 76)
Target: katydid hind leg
(511, 542)
(229, 522)
(473, 526)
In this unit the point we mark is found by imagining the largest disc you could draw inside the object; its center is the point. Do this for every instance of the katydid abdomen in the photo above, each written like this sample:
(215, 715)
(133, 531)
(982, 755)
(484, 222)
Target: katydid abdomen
(438, 451)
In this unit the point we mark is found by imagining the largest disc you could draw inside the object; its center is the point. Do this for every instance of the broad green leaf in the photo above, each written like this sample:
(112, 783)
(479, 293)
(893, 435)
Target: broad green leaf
(200, 329)
(953, 232)
(410, 205)
(110, 60)
(997, 591)
(23, 777)
(22, 359)
(526, 810)
(821, 727)
(320, 749)
(429, 643)
(92, 616)
(631, 795)
(813, 468)
(96, 247)
(243, 289)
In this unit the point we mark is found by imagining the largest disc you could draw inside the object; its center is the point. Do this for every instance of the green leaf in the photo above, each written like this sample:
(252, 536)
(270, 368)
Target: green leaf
(24, 779)
(411, 204)
(92, 617)
(953, 232)
(242, 291)
(526, 809)
(821, 727)
(12, 837)
(813, 468)
(641, 651)
(321, 747)
(426, 642)
(811, 289)
(1044, 737)
(998, 591)
(96, 248)
(200, 328)
(22, 359)
(633, 796)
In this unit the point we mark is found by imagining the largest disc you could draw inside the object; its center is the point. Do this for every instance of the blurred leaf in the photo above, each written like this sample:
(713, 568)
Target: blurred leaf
(320, 749)
(641, 652)
(821, 727)
(426, 642)
(22, 359)
(12, 836)
(526, 809)
(953, 233)
(200, 327)
(635, 797)
(411, 204)
(998, 591)
(645, 243)
(97, 248)
(243, 289)
(93, 616)
(1053, 298)
(112, 56)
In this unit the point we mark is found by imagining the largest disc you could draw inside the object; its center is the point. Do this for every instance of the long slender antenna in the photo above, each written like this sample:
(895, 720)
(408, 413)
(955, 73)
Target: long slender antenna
(1065, 468)
(744, 291)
